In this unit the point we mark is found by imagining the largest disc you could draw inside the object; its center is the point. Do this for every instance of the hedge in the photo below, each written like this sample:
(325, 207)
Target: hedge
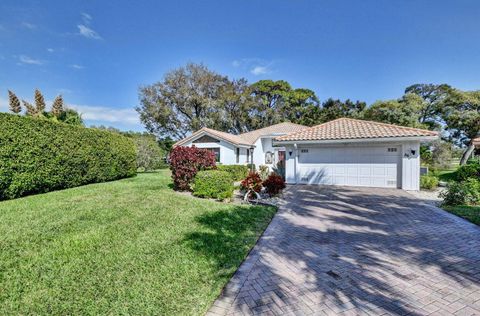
(213, 184)
(237, 172)
(38, 156)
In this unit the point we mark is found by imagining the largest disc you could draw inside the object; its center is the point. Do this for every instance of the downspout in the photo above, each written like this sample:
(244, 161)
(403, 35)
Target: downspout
(295, 163)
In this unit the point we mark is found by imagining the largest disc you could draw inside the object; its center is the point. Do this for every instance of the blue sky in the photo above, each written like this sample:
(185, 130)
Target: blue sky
(97, 53)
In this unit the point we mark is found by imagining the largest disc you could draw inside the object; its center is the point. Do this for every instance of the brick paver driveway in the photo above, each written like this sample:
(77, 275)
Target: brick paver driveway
(338, 250)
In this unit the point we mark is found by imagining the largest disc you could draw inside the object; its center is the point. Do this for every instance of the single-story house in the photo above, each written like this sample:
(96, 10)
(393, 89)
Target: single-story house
(344, 151)
(476, 143)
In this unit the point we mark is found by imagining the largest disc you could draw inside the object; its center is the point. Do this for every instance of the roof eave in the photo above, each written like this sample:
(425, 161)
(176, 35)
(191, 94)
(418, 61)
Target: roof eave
(202, 133)
(357, 140)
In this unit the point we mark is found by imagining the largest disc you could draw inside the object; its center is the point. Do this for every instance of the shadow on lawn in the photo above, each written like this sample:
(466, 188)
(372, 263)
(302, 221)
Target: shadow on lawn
(228, 235)
(353, 248)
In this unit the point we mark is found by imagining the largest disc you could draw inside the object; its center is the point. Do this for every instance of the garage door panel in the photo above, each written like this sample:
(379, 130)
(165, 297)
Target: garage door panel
(359, 166)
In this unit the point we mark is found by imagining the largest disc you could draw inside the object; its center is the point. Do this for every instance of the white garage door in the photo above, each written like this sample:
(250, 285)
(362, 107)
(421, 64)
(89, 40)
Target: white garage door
(352, 166)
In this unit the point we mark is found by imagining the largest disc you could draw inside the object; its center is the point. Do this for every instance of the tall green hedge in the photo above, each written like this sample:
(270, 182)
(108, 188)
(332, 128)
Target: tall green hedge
(38, 156)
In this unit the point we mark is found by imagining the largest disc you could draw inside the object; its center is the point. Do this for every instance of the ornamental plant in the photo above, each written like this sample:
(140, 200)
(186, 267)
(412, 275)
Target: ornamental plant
(185, 162)
(274, 184)
(213, 184)
(252, 184)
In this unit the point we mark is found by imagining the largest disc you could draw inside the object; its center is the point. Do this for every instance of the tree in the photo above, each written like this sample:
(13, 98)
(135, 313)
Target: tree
(14, 103)
(185, 101)
(432, 107)
(149, 154)
(462, 116)
(39, 102)
(404, 111)
(333, 109)
(71, 117)
(30, 109)
(57, 106)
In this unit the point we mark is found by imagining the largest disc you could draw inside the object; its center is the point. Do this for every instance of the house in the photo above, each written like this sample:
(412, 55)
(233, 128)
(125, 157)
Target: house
(476, 143)
(344, 151)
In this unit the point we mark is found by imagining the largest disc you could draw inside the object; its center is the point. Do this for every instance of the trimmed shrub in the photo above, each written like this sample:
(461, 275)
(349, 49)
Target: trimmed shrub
(237, 172)
(252, 182)
(213, 184)
(470, 170)
(462, 193)
(274, 184)
(428, 182)
(38, 156)
(185, 162)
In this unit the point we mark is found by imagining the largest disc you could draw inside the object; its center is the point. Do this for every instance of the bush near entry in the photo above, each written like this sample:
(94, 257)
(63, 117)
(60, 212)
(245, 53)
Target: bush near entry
(237, 172)
(185, 162)
(38, 155)
(428, 182)
(213, 184)
(274, 184)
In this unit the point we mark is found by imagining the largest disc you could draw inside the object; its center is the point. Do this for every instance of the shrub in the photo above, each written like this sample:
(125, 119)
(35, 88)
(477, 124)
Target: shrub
(38, 156)
(462, 193)
(470, 170)
(237, 172)
(252, 182)
(428, 182)
(185, 162)
(263, 171)
(274, 184)
(213, 184)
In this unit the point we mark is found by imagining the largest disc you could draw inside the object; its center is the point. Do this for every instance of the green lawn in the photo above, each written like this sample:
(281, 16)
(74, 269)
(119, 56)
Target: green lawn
(447, 175)
(470, 213)
(126, 247)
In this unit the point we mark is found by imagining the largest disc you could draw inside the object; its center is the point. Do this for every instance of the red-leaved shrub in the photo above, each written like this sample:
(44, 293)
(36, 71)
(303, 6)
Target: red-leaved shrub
(253, 182)
(274, 184)
(185, 162)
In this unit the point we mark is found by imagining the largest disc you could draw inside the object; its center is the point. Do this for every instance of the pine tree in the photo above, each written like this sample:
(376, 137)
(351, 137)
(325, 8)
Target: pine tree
(31, 110)
(14, 102)
(57, 106)
(39, 102)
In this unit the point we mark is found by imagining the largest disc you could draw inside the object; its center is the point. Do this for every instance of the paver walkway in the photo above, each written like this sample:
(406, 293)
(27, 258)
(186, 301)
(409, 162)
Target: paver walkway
(358, 251)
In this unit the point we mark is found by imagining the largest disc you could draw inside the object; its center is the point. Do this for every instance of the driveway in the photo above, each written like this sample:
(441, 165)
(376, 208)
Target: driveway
(358, 251)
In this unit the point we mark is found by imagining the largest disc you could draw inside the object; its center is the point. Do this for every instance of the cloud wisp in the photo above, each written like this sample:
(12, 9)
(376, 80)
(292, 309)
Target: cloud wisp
(85, 28)
(256, 66)
(26, 60)
(77, 67)
(29, 26)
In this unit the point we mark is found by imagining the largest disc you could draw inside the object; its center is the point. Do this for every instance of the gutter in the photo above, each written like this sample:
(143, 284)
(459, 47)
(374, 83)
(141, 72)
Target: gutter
(355, 140)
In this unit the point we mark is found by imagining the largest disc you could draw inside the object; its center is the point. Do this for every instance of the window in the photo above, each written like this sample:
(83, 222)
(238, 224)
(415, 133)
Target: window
(216, 151)
(238, 155)
(392, 150)
(268, 157)
(304, 151)
(248, 155)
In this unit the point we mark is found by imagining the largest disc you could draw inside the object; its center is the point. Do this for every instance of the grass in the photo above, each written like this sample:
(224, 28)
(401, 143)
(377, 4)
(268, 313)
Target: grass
(447, 175)
(470, 213)
(126, 247)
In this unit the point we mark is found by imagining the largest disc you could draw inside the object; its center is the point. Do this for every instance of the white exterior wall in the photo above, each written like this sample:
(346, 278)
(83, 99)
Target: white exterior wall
(411, 166)
(408, 165)
(290, 164)
(228, 152)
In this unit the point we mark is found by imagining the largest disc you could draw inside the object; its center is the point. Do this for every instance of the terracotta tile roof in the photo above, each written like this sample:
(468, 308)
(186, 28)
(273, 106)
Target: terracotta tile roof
(249, 138)
(346, 128)
(281, 128)
(234, 139)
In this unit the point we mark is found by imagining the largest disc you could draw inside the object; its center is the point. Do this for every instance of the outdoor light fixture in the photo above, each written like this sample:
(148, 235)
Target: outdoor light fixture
(290, 153)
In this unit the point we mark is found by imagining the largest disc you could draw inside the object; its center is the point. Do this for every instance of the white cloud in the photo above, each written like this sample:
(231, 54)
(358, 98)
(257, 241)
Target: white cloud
(29, 25)
(75, 66)
(259, 70)
(255, 66)
(87, 18)
(50, 50)
(106, 114)
(88, 32)
(23, 59)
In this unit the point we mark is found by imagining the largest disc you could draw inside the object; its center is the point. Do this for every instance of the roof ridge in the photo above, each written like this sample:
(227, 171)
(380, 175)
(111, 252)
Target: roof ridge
(382, 123)
(259, 129)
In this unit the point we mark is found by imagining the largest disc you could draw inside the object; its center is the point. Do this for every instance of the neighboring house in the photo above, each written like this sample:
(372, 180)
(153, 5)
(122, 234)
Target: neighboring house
(476, 143)
(344, 151)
